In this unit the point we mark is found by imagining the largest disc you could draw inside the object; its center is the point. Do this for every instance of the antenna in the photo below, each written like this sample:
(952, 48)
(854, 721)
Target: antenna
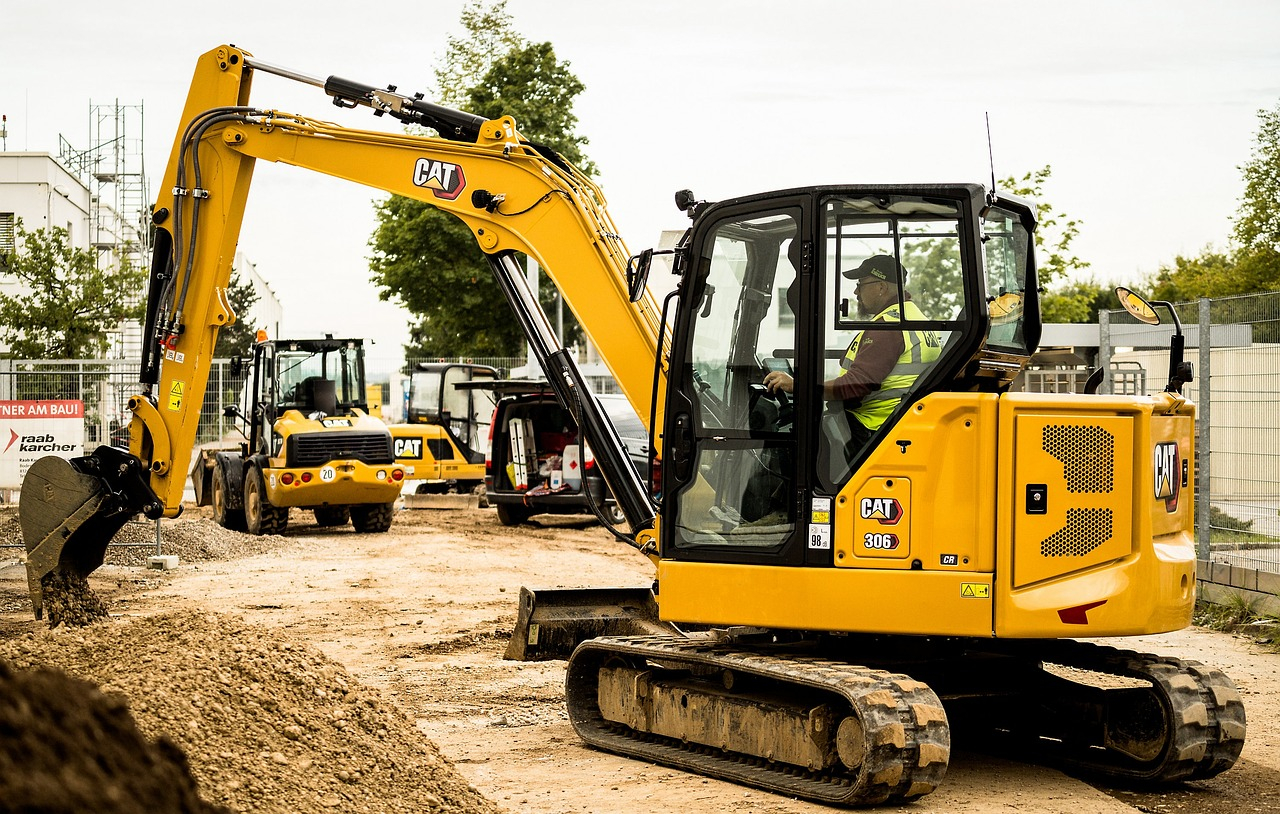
(991, 196)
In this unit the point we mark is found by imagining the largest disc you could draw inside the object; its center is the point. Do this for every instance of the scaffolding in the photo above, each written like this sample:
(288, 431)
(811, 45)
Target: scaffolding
(113, 170)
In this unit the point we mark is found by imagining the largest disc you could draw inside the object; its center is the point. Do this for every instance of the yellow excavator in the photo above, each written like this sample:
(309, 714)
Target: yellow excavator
(824, 613)
(442, 442)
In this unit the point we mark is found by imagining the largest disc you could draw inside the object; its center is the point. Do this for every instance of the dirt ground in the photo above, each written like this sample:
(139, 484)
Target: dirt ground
(408, 628)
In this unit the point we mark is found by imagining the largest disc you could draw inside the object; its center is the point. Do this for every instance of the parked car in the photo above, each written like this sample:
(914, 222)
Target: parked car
(538, 463)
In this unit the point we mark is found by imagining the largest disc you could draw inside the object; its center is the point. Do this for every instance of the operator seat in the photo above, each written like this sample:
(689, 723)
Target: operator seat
(320, 394)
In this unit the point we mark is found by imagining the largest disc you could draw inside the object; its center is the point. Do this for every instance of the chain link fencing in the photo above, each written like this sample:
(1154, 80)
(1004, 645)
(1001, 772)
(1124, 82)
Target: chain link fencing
(1234, 344)
(1236, 389)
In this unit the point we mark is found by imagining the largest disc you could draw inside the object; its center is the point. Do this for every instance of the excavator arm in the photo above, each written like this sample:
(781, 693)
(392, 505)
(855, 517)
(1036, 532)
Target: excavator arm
(514, 195)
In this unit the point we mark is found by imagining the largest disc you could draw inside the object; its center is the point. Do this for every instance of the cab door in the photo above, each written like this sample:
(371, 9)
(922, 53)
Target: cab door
(732, 474)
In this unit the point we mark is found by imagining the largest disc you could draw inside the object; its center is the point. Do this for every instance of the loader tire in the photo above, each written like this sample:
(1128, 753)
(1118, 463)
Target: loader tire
(373, 518)
(259, 515)
(329, 516)
(223, 513)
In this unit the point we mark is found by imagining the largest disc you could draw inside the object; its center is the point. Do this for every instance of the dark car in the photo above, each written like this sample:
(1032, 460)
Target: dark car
(538, 463)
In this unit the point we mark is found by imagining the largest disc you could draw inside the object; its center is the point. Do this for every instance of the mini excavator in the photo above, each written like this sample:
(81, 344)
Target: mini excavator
(825, 614)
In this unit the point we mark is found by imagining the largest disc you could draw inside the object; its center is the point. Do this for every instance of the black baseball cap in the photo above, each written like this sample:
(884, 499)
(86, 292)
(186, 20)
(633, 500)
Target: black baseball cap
(878, 267)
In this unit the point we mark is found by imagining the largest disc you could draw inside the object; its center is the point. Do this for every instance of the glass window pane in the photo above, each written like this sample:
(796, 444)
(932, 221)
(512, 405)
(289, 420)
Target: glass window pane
(1006, 250)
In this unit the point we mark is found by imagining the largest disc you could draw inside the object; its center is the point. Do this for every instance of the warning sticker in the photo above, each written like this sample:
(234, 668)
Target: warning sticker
(819, 537)
(820, 524)
(176, 391)
(975, 590)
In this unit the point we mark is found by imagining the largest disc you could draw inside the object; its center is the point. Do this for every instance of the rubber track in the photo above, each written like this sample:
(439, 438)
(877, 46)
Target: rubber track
(1203, 708)
(907, 731)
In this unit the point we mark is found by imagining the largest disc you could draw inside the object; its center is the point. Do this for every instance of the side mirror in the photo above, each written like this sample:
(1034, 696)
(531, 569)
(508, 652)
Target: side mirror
(237, 366)
(1137, 307)
(638, 274)
(232, 411)
(1180, 372)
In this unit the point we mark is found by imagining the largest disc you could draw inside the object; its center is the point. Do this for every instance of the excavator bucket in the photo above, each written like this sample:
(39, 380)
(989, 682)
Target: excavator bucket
(552, 622)
(68, 517)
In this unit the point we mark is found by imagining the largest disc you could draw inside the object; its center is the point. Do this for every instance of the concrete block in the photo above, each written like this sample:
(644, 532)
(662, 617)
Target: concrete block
(449, 501)
(163, 562)
(1269, 583)
(1220, 573)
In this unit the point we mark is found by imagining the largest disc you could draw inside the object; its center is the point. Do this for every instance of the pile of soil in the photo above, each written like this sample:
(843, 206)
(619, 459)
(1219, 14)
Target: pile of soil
(267, 724)
(66, 747)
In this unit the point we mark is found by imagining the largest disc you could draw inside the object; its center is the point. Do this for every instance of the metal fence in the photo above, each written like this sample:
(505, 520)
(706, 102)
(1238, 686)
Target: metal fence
(594, 372)
(105, 386)
(1234, 343)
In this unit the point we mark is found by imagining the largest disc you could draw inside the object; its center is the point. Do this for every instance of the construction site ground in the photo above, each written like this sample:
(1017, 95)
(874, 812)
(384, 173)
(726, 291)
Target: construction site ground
(326, 670)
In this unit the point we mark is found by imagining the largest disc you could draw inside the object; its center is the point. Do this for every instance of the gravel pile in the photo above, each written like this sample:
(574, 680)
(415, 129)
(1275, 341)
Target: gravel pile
(267, 724)
(68, 600)
(193, 540)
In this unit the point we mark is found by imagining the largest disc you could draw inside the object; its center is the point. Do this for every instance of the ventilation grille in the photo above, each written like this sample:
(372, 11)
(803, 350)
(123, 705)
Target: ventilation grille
(316, 449)
(1086, 529)
(1087, 455)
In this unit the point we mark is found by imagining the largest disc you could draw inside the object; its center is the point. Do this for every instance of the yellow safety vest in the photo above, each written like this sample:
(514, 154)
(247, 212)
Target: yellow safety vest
(921, 349)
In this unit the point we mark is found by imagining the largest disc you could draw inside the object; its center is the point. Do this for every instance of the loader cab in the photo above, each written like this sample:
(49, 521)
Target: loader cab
(750, 474)
(317, 377)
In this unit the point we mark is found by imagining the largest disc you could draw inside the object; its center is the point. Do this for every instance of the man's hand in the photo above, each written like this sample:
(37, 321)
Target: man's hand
(777, 381)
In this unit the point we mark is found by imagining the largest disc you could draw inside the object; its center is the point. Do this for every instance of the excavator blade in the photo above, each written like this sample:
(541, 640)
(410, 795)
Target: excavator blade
(552, 622)
(68, 517)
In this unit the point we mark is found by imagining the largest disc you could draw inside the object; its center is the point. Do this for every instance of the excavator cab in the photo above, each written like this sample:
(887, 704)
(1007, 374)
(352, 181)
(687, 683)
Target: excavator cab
(769, 288)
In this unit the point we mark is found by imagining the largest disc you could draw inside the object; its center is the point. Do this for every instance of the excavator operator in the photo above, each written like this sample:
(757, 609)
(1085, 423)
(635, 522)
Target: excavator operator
(880, 366)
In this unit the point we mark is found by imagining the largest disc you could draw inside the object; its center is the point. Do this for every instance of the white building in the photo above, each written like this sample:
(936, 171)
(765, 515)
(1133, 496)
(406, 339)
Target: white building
(265, 314)
(39, 192)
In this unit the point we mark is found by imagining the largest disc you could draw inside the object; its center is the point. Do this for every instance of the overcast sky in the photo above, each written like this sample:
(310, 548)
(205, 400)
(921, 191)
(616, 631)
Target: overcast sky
(1145, 110)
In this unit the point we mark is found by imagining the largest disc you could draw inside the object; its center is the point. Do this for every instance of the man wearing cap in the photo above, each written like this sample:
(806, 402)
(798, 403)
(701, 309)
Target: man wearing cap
(880, 366)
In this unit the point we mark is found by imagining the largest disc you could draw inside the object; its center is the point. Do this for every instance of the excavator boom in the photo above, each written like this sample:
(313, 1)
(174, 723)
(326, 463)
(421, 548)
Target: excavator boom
(515, 196)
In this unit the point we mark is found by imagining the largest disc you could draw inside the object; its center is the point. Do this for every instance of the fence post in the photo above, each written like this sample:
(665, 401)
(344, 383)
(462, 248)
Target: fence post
(1203, 450)
(1104, 352)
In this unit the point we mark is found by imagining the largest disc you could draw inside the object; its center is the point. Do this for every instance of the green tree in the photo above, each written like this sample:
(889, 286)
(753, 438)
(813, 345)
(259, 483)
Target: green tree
(1257, 221)
(1251, 261)
(1055, 232)
(428, 259)
(235, 340)
(69, 304)
(1078, 302)
(1208, 274)
(533, 87)
(490, 34)
(1062, 300)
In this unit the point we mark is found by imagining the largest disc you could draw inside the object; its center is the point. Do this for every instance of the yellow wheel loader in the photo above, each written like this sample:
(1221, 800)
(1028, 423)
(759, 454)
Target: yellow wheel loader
(310, 443)
(829, 602)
